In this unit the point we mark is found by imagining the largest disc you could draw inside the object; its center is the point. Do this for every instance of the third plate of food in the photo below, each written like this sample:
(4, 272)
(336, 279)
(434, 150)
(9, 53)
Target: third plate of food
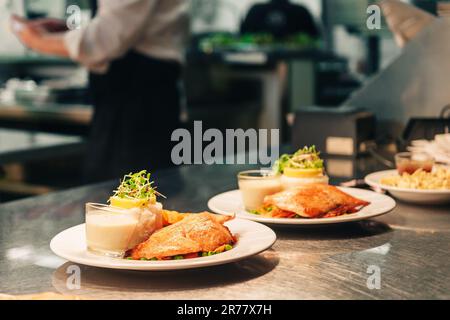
(405, 187)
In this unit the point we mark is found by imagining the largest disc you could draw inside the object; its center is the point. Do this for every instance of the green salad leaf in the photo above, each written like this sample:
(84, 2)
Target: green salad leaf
(306, 158)
(281, 163)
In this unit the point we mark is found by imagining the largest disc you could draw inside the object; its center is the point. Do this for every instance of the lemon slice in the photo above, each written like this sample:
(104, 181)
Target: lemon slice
(302, 173)
(126, 203)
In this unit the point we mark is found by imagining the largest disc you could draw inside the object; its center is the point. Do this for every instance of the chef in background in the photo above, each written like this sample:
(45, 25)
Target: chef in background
(134, 50)
(281, 18)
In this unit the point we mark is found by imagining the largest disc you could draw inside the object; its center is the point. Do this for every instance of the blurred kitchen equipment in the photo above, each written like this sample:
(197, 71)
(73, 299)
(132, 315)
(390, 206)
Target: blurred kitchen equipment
(8, 93)
(414, 85)
(423, 129)
(279, 18)
(443, 9)
(438, 148)
(35, 9)
(343, 131)
(70, 88)
(214, 16)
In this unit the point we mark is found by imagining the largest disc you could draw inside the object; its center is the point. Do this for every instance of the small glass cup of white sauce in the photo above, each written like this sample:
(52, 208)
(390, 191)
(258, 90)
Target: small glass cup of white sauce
(110, 230)
(255, 185)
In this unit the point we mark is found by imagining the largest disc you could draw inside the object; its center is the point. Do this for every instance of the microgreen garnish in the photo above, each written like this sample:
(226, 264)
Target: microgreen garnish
(137, 186)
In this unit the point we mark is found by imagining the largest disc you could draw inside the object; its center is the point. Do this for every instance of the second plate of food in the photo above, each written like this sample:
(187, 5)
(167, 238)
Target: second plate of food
(231, 202)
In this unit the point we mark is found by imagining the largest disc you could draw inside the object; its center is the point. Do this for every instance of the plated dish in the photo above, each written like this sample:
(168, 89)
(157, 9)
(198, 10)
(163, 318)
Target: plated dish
(253, 238)
(421, 187)
(134, 227)
(231, 202)
(311, 201)
(436, 179)
(296, 188)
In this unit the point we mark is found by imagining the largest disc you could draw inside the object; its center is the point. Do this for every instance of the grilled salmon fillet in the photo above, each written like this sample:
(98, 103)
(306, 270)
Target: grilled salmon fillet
(312, 201)
(195, 233)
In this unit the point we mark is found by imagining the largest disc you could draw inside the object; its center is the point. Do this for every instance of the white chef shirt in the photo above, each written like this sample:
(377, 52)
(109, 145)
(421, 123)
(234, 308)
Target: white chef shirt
(157, 28)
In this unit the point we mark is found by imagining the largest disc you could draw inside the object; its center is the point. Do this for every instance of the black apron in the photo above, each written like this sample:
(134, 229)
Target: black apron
(137, 107)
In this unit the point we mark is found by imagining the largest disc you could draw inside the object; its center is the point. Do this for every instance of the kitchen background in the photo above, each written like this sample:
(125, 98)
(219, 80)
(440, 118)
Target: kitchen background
(230, 81)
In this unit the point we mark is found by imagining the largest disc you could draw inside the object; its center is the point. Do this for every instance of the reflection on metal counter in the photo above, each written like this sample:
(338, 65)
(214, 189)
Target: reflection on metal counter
(343, 131)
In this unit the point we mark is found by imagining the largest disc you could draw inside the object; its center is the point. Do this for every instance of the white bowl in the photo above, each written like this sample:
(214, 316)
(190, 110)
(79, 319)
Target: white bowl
(408, 195)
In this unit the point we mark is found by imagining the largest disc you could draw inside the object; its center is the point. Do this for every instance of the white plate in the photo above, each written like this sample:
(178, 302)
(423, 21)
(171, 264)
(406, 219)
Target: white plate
(409, 195)
(253, 238)
(231, 202)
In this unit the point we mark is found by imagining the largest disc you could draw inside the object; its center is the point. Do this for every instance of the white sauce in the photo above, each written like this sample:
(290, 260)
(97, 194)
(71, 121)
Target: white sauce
(116, 231)
(254, 191)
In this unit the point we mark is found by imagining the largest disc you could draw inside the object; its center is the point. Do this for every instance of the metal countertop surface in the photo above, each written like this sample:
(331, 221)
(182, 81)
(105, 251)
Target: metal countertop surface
(410, 246)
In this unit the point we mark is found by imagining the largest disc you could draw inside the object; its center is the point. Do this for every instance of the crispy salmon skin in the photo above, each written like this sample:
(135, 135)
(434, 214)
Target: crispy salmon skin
(311, 201)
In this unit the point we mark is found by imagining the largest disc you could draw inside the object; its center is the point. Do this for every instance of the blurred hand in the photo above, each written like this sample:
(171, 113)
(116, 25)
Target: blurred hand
(44, 35)
(49, 25)
(404, 20)
(26, 31)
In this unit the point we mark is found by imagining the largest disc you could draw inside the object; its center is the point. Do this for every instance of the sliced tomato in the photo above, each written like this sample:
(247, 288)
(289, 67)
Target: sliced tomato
(191, 255)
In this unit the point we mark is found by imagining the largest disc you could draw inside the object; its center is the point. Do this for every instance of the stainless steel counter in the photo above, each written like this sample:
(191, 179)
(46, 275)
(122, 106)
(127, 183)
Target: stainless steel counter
(66, 114)
(410, 246)
(17, 146)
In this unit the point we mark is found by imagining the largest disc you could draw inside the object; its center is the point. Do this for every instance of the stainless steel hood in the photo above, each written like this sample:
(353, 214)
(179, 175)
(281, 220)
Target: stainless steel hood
(416, 84)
